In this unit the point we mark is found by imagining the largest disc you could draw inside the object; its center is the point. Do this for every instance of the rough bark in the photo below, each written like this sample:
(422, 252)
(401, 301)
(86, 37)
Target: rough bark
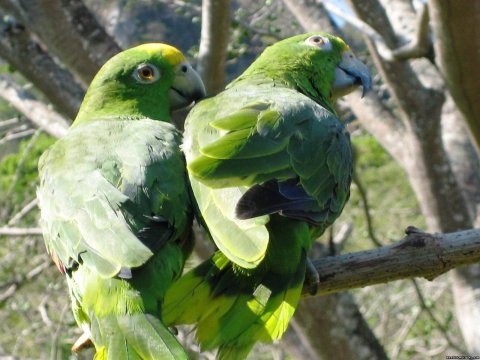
(457, 55)
(419, 254)
(27, 57)
(212, 54)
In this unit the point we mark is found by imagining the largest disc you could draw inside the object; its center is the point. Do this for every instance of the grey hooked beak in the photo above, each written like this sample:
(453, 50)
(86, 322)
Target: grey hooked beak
(349, 74)
(187, 87)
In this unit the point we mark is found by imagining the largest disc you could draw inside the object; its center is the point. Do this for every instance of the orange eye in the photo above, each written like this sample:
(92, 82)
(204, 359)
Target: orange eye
(146, 73)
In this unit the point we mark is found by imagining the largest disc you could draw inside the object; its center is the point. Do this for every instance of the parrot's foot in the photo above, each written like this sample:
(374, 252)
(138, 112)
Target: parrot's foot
(312, 277)
(173, 330)
(82, 342)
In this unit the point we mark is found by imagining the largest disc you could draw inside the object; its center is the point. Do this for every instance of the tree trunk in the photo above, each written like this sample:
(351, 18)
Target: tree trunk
(332, 327)
(457, 55)
(212, 54)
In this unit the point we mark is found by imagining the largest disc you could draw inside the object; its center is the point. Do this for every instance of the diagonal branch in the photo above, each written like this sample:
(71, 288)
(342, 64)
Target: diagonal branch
(22, 52)
(36, 111)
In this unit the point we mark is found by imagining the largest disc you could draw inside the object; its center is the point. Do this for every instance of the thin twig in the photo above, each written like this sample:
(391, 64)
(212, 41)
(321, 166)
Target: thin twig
(44, 315)
(56, 334)
(26, 209)
(12, 231)
(9, 122)
(15, 285)
(366, 209)
(443, 329)
(16, 136)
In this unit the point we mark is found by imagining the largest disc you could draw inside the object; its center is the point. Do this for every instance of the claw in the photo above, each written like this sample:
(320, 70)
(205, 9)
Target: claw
(82, 342)
(173, 330)
(312, 277)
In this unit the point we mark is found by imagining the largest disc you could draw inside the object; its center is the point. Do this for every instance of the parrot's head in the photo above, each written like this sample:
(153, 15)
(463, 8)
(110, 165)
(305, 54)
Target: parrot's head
(149, 80)
(318, 64)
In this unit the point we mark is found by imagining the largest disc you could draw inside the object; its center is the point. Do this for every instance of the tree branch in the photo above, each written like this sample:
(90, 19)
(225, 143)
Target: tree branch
(36, 111)
(12, 231)
(20, 50)
(15, 285)
(24, 211)
(419, 254)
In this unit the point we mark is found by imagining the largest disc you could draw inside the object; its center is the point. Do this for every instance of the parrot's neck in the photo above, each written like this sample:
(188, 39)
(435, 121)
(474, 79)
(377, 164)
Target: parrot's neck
(102, 104)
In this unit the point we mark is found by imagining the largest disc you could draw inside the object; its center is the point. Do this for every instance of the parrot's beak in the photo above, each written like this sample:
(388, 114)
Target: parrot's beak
(349, 74)
(187, 87)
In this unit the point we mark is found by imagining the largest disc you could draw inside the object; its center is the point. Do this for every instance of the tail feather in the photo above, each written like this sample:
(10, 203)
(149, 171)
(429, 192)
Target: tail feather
(234, 317)
(123, 316)
(136, 336)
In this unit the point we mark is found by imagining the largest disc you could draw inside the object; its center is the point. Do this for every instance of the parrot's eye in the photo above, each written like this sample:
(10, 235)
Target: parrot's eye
(146, 73)
(319, 41)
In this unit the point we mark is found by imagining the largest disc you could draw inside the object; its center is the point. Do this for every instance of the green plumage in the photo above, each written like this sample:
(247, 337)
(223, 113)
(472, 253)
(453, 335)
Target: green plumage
(270, 167)
(115, 209)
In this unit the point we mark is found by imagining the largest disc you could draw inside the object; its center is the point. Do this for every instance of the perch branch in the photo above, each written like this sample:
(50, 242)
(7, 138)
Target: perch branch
(419, 254)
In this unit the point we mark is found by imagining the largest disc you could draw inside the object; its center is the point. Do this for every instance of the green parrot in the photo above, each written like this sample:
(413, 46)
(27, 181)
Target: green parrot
(115, 209)
(270, 165)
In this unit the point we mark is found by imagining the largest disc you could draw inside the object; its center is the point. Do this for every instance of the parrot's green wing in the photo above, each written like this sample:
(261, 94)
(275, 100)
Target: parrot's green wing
(291, 157)
(107, 201)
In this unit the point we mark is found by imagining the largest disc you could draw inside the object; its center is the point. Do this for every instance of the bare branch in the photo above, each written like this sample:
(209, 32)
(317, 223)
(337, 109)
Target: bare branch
(17, 135)
(15, 285)
(383, 50)
(342, 235)
(366, 209)
(310, 14)
(419, 254)
(420, 45)
(19, 49)
(25, 210)
(12, 231)
(36, 111)
(9, 122)
(75, 36)
(432, 316)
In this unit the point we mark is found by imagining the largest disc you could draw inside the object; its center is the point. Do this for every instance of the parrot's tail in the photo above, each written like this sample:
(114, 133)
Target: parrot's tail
(134, 336)
(232, 307)
(123, 315)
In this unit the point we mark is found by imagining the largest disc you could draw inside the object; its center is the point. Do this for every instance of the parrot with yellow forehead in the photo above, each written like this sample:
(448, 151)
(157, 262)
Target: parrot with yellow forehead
(115, 210)
(270, 166)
